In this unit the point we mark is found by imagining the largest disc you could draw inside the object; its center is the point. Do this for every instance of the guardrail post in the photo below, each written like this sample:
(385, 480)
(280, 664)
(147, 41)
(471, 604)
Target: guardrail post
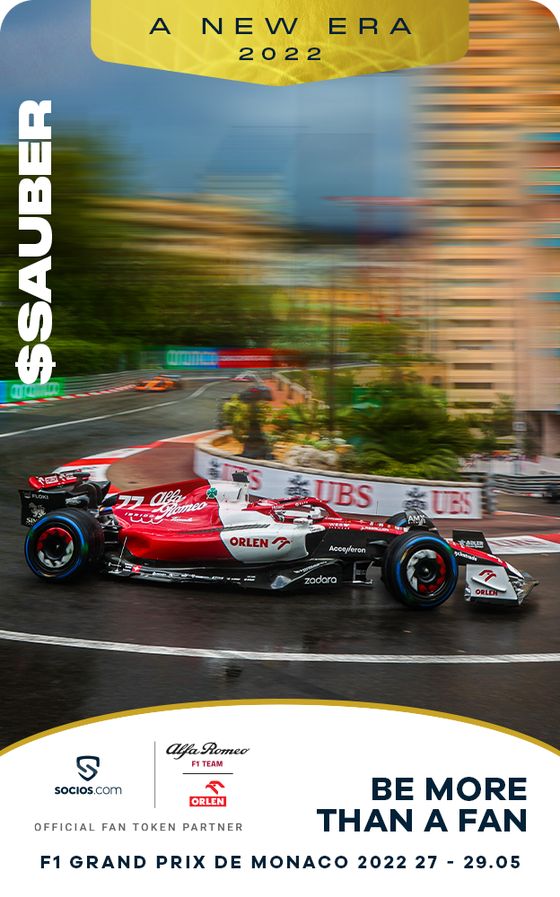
(489, 502)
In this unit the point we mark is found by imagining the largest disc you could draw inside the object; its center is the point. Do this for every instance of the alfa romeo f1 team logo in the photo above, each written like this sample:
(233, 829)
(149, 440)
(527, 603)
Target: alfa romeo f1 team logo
(88, 770)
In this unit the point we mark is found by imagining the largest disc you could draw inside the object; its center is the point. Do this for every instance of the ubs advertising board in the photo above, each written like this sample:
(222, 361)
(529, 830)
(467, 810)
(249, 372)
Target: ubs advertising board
(315, 179)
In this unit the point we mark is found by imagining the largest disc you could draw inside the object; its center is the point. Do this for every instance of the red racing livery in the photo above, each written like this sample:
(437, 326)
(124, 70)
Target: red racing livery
(211, 531)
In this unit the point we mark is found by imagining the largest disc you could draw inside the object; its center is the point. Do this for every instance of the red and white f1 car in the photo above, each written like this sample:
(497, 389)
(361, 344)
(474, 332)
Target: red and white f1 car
(203, 531)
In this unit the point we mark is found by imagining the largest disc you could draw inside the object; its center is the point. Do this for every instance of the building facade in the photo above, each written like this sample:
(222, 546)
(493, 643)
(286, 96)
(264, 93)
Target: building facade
(487, 155)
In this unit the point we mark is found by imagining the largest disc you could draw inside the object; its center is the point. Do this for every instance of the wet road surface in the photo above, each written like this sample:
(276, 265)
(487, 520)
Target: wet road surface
(49, 685)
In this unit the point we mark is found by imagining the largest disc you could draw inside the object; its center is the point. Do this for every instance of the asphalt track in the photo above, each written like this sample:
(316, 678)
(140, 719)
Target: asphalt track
(100, 646)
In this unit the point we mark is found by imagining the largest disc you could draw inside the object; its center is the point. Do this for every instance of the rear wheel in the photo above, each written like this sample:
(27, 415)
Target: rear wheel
(420, 570)
(64, 544)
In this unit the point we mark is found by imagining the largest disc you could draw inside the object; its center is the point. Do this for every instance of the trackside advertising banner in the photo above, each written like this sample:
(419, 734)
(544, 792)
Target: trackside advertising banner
(198, 357)
(15, 391)
(255, 797)
(250, 358)
(348, 494)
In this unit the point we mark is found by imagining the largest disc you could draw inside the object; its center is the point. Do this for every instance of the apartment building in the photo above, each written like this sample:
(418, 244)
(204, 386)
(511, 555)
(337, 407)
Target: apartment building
(486, 154)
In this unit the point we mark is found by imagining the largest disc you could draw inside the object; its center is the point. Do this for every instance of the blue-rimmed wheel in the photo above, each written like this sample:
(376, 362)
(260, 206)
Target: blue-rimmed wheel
(420, 570)
(64, 544)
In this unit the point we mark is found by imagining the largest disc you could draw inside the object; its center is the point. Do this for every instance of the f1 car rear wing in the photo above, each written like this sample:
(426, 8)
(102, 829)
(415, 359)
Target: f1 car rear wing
(72, 488)
(56, 480)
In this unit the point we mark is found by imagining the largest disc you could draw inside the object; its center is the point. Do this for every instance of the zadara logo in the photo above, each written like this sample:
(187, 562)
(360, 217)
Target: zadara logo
(207, 800)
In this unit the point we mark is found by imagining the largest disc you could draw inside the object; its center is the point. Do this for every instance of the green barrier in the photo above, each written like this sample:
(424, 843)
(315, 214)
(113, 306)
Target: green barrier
(16, 391)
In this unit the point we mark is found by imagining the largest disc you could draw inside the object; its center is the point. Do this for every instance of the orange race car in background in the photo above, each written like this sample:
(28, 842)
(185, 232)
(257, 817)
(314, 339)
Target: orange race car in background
(160, 384)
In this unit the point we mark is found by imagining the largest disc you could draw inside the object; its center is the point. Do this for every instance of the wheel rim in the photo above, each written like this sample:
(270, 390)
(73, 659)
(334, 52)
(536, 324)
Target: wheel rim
(426, 572)
(55, 547)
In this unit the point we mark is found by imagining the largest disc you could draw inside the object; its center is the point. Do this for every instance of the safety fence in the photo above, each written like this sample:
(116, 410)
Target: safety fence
(58, 387)
(524, 485)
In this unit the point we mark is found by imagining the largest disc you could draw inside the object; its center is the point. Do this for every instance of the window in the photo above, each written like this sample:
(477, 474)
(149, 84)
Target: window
(497, 145)
(469, 323)
(441, 88)
(463, 163)
(474, 366)
(467, 126)
(472, 346)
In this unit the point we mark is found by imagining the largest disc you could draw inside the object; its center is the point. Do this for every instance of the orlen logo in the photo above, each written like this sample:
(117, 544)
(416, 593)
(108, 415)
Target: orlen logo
(245, 542)
(87, 771)
(280, 542)
(484, 578)
(204, 800)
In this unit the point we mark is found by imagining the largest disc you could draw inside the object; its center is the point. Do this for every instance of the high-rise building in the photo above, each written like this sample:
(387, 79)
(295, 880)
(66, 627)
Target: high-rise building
(487, 154)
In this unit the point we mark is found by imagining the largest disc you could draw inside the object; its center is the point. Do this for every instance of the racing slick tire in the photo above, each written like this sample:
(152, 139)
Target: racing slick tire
(64, 544)
(420, 570)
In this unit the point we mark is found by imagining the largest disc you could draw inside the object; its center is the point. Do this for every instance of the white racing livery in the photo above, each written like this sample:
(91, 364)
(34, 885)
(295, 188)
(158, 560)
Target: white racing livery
(209, 531)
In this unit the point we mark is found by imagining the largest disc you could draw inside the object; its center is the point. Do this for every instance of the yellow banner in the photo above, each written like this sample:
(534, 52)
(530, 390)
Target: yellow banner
(280, 42)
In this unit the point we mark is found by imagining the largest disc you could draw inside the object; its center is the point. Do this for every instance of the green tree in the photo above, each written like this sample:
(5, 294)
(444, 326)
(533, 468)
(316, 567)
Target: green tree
(109, 289)
(382, 341)
(406, 431)
(303, 342)
(495, 423)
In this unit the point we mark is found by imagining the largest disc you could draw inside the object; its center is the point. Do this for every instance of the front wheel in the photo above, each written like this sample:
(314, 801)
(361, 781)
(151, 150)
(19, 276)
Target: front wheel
(420, 570)
(64, 544)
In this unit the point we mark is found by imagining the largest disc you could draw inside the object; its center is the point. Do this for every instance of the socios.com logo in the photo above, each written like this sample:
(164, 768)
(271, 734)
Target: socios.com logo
(87, 770)
(88, 767)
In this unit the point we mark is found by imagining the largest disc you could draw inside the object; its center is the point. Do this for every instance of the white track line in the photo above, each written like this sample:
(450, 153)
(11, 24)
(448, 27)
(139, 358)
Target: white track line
(210, 654)
(87, 420)
(508, 545)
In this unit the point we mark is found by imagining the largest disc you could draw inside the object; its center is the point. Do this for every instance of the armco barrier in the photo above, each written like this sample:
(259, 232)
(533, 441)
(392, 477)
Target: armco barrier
(346, 493)
(15, 391)
(523, 485)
